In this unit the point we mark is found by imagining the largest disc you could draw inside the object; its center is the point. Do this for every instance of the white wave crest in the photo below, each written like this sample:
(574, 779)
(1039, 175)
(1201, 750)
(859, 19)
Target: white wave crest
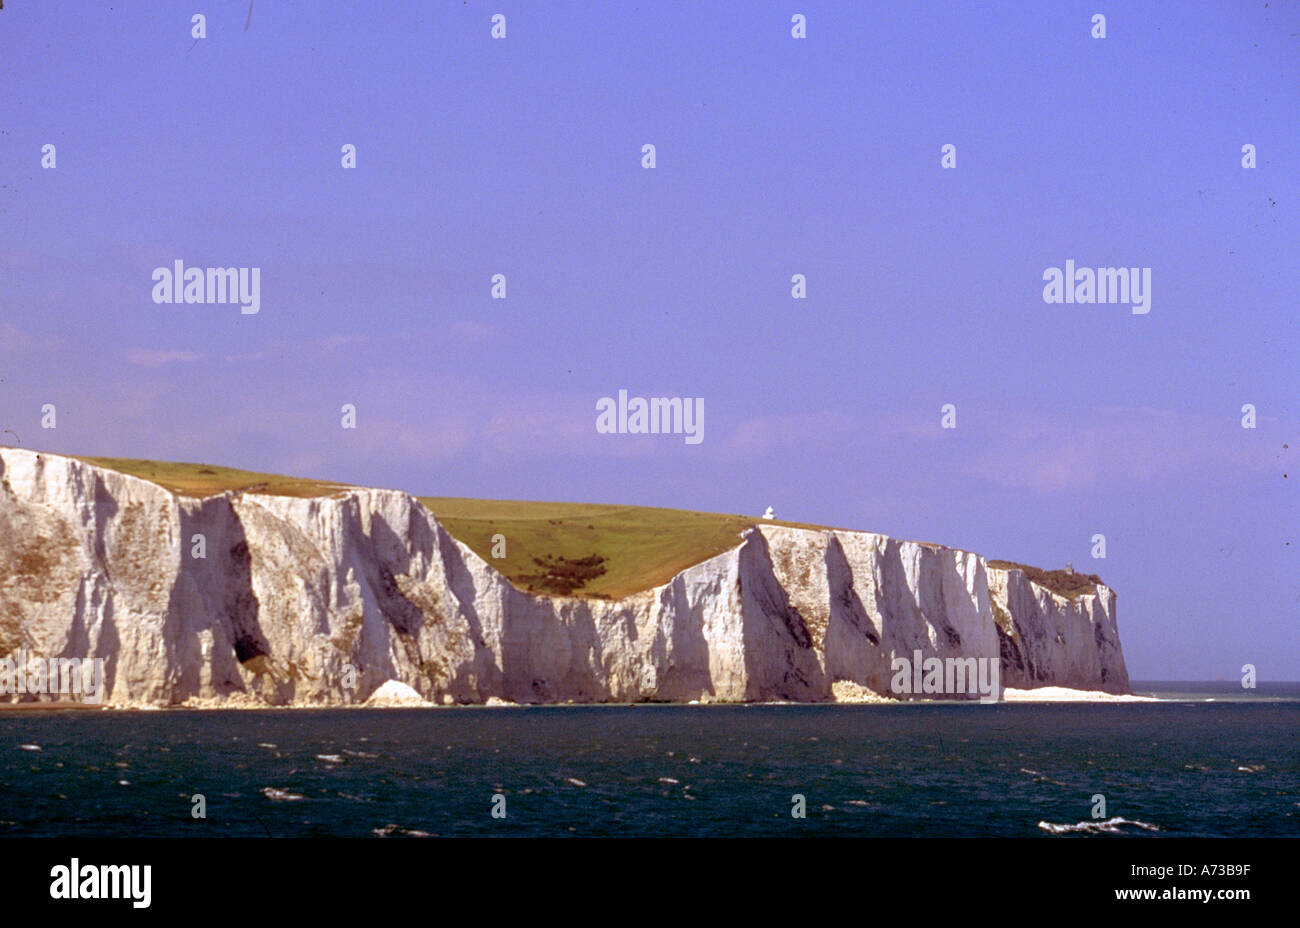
(1110, 826)
(279, 795)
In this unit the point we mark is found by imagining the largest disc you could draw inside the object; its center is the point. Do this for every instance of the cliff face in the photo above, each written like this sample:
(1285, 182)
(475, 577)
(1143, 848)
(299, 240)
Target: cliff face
(1048, 640)
(322, 600)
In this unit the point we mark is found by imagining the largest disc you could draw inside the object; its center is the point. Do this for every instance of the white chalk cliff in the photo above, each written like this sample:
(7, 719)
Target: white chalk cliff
(321, 601)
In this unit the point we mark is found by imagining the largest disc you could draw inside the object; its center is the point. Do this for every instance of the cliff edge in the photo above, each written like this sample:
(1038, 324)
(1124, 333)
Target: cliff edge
(248, 598)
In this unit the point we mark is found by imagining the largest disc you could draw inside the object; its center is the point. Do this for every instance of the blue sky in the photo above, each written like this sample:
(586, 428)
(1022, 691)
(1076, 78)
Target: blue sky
(775, 156)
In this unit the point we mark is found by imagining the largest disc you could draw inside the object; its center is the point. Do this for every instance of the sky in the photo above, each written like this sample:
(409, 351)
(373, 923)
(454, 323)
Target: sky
(774, 156)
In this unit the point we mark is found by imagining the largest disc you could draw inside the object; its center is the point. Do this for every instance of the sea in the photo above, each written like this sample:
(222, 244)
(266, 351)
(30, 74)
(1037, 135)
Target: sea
(1208, 759)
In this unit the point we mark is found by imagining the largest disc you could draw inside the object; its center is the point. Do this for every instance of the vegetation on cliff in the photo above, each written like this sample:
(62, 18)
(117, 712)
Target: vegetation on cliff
(573, 549)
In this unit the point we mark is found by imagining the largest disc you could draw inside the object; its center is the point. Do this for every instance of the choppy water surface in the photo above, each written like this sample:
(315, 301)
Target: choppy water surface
(1189, 767)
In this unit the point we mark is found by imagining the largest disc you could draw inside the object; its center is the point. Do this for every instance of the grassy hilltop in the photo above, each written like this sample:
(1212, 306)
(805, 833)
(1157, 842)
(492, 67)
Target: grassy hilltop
(209, 480)
(576, 549)
(579, 549)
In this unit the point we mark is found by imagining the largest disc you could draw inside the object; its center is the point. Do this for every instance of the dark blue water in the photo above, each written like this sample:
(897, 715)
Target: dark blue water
(1230, 767)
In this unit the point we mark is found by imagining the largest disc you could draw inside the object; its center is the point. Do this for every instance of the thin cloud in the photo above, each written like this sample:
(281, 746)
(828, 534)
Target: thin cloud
(13, 338)
(764, 433)
(146, 357)
(1119, 446)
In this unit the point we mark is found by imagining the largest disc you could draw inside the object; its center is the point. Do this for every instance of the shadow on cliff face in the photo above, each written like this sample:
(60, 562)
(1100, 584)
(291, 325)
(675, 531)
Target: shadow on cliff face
(1012, 670)
(241, 610)
(852, 646)
(389, 557)
(215, 594)
(109, 642)
(780, 662)
(105, 510)
(1019, 655)
(899, 611)
(550, 650)
(684, 657)
(431, 631)
(481, 677)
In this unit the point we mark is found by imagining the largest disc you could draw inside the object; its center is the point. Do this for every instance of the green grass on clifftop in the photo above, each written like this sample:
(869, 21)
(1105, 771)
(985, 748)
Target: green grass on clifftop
(641, 547)
(578, 549)
(208, 479)
(585, 549)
